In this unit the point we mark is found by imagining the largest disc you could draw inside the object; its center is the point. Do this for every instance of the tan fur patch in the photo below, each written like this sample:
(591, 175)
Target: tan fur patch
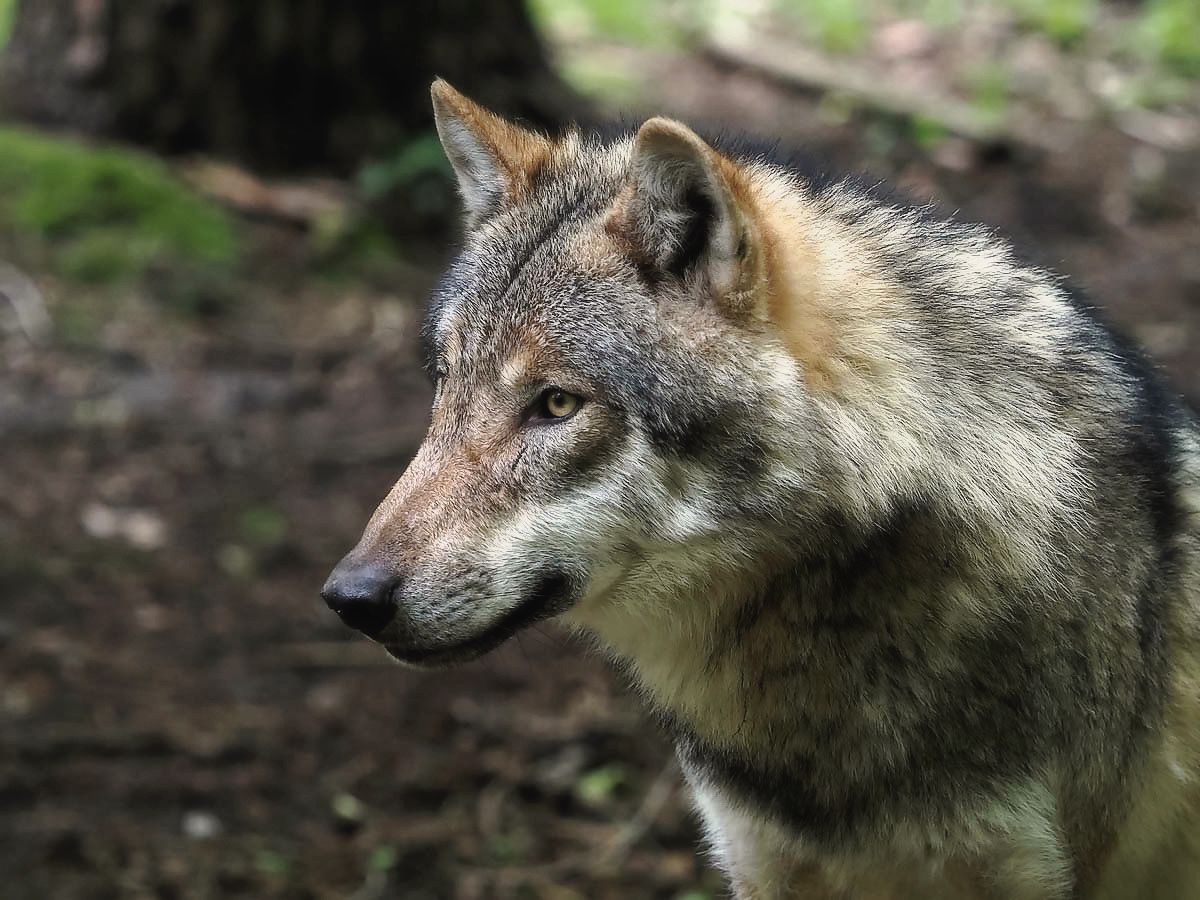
(829, 305)
(518, 367)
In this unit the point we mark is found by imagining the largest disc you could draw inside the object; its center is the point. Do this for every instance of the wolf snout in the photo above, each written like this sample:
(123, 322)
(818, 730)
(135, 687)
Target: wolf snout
(362, 594)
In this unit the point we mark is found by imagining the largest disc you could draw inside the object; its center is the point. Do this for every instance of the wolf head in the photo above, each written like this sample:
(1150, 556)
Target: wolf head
(612, 396)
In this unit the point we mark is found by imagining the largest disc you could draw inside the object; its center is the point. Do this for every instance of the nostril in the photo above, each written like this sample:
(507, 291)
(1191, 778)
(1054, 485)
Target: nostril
(370, 620)
(362, 596)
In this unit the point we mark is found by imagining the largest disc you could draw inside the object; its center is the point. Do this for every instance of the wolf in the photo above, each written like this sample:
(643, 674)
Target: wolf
(899, 542)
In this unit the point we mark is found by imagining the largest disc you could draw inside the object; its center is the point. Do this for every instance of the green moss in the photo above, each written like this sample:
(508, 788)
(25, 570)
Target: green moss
(262, 526)
(105, 213)
(420, 158)
(1170, 33)
(1064, 20)
(100, 257)
(598, 787)
(990, 93)
(926, 132)
(8, 9)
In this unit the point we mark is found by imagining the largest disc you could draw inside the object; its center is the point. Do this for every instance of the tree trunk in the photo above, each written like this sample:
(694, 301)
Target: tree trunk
(278, 84)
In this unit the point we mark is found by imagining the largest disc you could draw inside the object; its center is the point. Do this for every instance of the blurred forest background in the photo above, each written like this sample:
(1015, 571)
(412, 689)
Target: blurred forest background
(218, 222)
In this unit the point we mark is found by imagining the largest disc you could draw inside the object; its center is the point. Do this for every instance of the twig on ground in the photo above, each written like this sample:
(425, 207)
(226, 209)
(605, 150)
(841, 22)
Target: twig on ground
(656, 799)
(304, 203)
(27, 303)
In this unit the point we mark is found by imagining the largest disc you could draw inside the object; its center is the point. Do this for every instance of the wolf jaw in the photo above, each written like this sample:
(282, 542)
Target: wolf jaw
(897, 539)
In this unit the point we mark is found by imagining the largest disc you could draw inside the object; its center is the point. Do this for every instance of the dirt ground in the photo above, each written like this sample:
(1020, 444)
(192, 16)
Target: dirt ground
(180, 715)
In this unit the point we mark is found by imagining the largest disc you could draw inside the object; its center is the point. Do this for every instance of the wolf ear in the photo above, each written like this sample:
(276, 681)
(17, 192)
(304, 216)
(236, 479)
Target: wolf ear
(679, 213)
(492, 158)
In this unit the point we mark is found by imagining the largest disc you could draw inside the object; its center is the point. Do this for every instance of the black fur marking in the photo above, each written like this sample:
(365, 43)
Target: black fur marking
(833, 578)
(821, 799)
(595, 456)
(701, 210)
(1151, 450)
(684, 422)
(816, 792)
(648, 274)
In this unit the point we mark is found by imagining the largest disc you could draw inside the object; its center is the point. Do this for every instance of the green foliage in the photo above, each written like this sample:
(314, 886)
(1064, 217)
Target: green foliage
(598, 787)
(627, 21)
(8, 11)
(990, 90)
(105, 214)
(937, 13)
(840, 26)
(269, 862)
(262, 526)
(1153, 89)
(925, 131)
(598, 75)
(1064, 20)
(383, 859)
(364, 249)
(420, 158)
(100, 257)
(1170, 33)
(410, 191)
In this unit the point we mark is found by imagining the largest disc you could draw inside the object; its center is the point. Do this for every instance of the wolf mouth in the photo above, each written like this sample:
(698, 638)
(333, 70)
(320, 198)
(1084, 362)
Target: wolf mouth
(551, 596)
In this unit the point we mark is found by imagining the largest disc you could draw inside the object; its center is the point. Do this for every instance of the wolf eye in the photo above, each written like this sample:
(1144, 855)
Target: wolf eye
(558, 404)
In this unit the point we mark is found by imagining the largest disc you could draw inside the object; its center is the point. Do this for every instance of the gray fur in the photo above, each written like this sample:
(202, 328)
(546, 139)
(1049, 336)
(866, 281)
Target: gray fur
(940, 619)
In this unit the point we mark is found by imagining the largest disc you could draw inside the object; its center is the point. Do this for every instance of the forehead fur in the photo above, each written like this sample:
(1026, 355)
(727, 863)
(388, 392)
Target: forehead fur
(547, 235)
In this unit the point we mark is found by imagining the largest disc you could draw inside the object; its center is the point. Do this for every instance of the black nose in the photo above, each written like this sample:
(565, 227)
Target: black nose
(361, 594)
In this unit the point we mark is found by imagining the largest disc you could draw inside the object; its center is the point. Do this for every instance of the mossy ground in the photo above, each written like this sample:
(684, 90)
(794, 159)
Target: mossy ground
(104, 214)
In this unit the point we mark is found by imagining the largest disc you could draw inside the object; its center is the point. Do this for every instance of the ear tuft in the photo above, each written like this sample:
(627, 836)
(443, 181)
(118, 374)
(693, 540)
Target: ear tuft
(443, 92)
(492, 158)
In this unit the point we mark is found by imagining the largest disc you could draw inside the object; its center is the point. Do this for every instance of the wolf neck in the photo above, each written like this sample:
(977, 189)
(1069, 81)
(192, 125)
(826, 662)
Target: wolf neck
(784, 656)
